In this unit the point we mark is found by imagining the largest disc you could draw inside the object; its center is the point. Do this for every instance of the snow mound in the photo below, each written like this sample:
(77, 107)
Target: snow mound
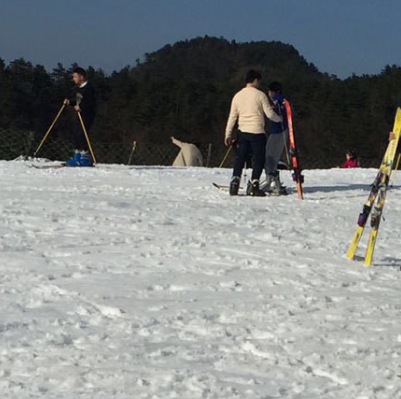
(148, 282)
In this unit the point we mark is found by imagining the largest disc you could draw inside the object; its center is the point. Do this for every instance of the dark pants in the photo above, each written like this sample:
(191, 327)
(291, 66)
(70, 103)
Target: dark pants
(78, 134)
(247, 145)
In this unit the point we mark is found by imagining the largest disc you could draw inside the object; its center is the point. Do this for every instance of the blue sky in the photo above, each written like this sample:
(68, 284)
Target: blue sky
(339, 36)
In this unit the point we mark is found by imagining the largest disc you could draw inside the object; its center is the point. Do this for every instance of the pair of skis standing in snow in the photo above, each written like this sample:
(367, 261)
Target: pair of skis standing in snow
(374, 205)
(249, 108)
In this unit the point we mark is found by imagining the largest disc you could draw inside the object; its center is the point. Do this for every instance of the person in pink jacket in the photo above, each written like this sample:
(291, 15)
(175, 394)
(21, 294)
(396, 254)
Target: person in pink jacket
(351, 160)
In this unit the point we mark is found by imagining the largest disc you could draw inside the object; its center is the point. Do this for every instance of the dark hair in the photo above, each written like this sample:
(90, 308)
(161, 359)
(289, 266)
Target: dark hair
(352, 154)
(277, 87)
(79, 71)
(252, 75)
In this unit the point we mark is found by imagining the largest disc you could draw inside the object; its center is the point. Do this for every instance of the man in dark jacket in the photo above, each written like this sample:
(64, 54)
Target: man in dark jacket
(85, 103)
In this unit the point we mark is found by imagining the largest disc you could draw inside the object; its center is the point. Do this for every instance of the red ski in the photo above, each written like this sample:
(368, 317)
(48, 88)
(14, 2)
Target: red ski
(296, 169)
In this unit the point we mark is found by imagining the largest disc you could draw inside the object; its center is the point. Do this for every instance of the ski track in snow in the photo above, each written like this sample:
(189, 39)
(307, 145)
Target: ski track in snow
(148, 282)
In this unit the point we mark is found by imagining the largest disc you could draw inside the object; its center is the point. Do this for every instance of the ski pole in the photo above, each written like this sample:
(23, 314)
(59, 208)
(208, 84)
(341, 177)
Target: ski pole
(286, 149)
(287, 154)
(225, 156)
(50, 128)
(86, 136)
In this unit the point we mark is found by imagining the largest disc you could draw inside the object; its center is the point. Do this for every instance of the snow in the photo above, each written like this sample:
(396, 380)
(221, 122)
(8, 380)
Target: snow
(148, 282)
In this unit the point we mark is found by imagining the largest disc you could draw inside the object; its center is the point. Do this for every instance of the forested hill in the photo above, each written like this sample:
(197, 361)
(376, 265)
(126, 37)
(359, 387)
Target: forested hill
(185, 90)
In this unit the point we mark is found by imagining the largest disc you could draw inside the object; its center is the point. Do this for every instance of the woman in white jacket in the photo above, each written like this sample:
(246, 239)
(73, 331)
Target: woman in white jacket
(189, 154)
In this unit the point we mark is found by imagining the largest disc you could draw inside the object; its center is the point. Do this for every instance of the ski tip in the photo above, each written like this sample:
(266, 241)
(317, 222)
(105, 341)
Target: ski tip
(367, 263)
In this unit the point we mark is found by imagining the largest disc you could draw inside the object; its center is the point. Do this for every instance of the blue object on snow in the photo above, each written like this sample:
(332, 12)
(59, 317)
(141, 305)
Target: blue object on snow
(79, 159)
(75, 160)
(85, 159)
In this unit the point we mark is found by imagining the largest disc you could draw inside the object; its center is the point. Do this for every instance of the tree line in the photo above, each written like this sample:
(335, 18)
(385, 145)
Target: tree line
(185, 90)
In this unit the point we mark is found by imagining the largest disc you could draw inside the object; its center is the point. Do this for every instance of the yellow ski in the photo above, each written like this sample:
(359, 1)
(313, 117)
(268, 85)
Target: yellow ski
(378, 210)
(379, 190)
(364, 215)
(370, 247)
(354, 242)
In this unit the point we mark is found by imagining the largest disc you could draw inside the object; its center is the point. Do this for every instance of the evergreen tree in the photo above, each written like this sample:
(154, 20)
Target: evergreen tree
(185, 90)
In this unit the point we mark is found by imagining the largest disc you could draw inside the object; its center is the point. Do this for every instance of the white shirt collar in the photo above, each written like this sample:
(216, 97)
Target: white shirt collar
(83, 84)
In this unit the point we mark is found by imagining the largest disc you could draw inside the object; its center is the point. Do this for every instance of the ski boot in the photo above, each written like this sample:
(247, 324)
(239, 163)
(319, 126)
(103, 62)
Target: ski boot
(274, 186)
(253, 189)
(85, 159)
(265, 186)
(234, 185)
(75, 160)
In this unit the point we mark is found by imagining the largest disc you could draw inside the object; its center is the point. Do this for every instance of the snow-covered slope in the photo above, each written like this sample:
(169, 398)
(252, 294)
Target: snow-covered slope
(140, 282)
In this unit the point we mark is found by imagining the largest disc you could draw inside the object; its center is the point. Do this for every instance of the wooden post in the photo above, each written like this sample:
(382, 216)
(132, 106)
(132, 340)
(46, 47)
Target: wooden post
(209, 154)
(132, 152)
